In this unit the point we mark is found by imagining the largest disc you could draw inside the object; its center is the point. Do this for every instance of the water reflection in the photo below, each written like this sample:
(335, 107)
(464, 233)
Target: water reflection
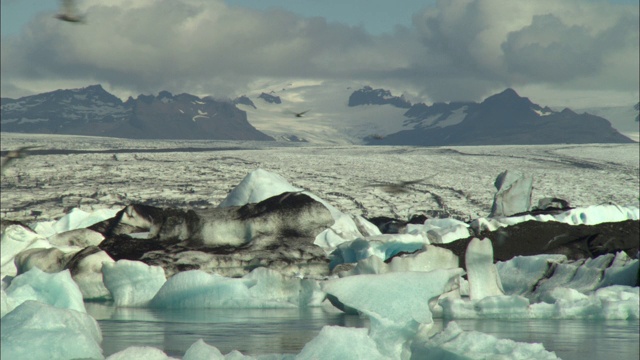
(570, 339)
(251, 331)
(268, 331)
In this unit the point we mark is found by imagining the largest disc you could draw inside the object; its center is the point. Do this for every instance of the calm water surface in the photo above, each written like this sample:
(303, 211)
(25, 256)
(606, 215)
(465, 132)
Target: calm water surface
(286, 331)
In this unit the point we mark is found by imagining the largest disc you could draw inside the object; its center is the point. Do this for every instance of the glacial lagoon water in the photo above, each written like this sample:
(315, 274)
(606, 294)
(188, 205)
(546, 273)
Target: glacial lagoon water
(269, 331)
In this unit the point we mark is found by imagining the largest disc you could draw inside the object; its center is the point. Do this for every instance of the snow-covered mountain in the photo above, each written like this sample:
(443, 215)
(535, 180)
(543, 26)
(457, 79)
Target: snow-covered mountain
(94, 111)
(347, 112)
(321, 112)
(504, 118)
(339, 112)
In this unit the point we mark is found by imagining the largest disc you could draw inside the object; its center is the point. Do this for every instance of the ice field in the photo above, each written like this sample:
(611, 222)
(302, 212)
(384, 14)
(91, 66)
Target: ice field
(457, 179)
(44, 316)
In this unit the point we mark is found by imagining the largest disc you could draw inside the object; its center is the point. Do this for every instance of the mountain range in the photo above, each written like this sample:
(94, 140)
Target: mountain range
(334, 113)
(94, 111)
(502, 119)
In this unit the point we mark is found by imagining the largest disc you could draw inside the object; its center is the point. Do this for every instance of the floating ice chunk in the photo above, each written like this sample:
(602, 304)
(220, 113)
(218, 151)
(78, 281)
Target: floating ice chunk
(75, 219)
(582, 275)
(520, 275)
(77, 237)
(613, 302)
(49, 260)
(261, 184)
(87, 273)
(56, 289)
(440, 231)
(132, 283)
(335, 342)
(619, 302)
(15, 239)
(273, 287)
(590, 215)
(35, 330)
(622, 271)
(454, 343)
(396, 303)
(140, 352)
(513, 195)
(562, 294)
(382, 246)
(535, 276)
(262, 288)
(197, 289)
(400, 297)
(501, 306)
(430, 258)
(596, 214)
(492, 307)
(201, 350)
(344, 229)
(481, 272)
(258, 185)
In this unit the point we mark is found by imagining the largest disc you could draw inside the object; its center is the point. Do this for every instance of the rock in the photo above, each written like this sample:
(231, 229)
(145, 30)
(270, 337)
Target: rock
(514, 194)
(272, 99)
(389, 225)
(552, 237)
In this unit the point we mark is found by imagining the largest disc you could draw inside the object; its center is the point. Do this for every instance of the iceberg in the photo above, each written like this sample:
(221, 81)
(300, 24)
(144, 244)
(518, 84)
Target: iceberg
(454, 343)
(132, 283)
(35, 330)
(262, 288)
(57, 289)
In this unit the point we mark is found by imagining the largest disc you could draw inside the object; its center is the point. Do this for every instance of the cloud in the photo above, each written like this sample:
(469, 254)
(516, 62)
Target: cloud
(493, 43)
(456, 50)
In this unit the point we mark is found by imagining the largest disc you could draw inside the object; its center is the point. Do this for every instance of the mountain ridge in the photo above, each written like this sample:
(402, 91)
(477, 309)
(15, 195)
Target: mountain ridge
(338, 113)
(505, 118)
(94, 111)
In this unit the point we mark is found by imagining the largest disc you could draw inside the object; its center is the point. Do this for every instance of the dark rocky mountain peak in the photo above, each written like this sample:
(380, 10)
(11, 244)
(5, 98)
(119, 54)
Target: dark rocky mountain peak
(370, 96)
(272, 99)
(508, 97)
(244, 100)
(165, 96)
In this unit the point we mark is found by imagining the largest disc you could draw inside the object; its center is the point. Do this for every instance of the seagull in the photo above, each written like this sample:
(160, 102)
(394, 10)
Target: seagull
(68, 13)
(302, 113)
(15, 154)
(397, 188)
(298, 114)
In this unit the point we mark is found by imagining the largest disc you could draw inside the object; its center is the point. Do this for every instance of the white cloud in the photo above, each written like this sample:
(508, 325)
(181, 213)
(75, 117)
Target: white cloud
(457, 50)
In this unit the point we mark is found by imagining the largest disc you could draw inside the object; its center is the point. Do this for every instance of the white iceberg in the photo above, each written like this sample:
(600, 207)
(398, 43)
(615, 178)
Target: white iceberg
(132, 283)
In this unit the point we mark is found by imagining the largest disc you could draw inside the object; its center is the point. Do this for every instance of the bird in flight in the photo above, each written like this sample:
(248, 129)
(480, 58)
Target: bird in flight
(69, 13)
(15, 154)
(397, 188)
(302, 113)
(298, 114)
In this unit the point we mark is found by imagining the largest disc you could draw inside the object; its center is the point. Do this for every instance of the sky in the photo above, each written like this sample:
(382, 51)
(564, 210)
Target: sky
(574, 53)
